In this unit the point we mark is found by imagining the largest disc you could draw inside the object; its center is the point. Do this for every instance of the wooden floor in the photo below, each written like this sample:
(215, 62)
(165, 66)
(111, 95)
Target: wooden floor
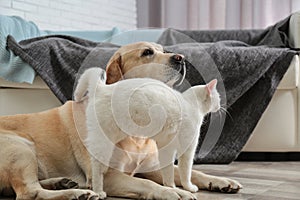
(261, 180)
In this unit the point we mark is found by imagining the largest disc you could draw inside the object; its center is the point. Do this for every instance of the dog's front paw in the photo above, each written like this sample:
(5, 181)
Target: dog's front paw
(88, 195)
(185, 195)
(167, 194)
(225, 185)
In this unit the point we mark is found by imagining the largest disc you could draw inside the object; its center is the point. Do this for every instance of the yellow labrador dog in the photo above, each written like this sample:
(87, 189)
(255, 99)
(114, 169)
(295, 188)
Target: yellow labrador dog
(145, 59)
(43, 156)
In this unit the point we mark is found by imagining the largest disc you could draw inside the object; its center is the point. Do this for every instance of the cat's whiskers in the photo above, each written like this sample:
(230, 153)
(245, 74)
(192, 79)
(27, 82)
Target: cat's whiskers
(225, 111)
(220, 116)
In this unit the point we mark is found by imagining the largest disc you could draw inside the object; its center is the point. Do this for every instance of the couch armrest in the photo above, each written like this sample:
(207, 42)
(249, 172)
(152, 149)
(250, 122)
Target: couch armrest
(298, 93)
(294, 30)
(294, 35)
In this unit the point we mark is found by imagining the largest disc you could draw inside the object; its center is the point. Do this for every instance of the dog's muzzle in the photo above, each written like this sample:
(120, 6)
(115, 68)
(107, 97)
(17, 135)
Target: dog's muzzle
(178, 63)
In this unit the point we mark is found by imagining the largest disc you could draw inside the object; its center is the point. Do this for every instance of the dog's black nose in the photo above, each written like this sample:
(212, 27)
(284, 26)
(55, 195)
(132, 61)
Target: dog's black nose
(178, 58)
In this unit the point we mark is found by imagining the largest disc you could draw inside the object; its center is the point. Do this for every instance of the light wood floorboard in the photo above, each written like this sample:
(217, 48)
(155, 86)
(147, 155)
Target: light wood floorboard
(261, 181)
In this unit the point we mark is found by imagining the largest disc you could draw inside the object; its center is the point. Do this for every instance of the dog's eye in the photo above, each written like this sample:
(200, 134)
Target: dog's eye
(148, 52)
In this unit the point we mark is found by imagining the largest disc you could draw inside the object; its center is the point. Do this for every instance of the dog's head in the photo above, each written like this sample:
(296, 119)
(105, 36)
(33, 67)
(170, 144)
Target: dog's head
(144, 59)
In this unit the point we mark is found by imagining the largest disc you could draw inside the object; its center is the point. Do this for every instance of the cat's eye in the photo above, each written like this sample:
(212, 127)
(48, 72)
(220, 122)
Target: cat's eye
(148, 52)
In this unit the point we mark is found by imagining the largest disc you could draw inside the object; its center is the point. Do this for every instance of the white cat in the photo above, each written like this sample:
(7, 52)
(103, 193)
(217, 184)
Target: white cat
(144, 107)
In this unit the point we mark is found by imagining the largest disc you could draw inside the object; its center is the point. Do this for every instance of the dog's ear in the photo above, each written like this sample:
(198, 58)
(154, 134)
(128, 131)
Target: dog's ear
(114, 69)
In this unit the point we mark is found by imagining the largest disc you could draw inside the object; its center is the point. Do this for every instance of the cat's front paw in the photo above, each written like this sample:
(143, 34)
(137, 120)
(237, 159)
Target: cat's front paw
(102, 195)
(190, 187)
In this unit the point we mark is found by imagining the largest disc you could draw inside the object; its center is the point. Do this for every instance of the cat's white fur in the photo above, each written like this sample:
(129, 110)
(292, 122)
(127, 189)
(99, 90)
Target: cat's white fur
(144, 108)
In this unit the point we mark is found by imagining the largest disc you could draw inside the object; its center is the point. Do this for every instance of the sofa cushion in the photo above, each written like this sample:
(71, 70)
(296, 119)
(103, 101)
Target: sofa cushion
(96, 36)
(38, 83)
(19, 101)
(132, 36)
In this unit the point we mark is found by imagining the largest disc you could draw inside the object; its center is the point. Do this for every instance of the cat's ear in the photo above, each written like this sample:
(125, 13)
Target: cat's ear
(211, 86)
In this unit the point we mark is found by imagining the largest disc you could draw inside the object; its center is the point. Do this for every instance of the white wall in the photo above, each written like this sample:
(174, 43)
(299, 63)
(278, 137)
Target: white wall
(74, 14)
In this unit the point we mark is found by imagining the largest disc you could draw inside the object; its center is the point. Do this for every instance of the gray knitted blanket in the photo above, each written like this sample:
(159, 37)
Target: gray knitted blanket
(248, 65)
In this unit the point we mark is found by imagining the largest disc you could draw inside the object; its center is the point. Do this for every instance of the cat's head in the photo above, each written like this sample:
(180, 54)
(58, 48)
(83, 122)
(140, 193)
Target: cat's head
(206, 96)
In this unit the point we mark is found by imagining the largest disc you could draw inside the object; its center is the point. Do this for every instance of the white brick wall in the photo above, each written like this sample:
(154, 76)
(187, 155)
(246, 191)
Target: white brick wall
(74, 14)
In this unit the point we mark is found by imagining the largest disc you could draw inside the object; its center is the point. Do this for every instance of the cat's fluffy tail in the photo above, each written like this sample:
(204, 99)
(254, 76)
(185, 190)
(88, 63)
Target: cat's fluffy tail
(88, 82)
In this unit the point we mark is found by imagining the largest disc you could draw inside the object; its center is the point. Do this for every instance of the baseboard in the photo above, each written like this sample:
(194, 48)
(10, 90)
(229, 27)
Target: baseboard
(269, 156)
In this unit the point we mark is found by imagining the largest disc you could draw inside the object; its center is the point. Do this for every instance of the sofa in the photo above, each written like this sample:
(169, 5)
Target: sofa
(277, 131)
